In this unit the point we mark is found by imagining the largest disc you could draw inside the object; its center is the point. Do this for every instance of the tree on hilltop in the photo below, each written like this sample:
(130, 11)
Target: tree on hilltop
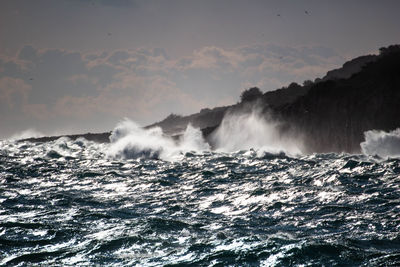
(250, 94)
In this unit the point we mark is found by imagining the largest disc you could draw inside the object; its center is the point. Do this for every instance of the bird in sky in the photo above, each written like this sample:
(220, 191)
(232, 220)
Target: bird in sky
(305, 11)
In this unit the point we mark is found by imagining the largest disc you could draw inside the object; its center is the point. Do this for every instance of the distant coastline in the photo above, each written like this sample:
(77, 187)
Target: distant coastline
(331, 113)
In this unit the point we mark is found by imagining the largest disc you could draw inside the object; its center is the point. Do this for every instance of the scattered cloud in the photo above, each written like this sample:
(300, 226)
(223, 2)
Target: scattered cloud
(146, 84)
(37, 111)
(13, 92)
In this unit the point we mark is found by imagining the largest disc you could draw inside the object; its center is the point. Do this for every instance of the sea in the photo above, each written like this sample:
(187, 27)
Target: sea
(147, 200)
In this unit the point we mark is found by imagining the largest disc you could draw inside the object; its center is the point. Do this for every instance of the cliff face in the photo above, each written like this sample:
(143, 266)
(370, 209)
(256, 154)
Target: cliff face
(333, 115)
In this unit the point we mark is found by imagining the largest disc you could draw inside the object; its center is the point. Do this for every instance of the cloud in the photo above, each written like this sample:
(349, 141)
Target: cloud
(263, 58)
(145, 83)
(37, 111)
(213, 58)
(28, 53)
(13, 92)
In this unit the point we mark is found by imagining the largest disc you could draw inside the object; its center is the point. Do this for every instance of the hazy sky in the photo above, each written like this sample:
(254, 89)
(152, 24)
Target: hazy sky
(80, 65)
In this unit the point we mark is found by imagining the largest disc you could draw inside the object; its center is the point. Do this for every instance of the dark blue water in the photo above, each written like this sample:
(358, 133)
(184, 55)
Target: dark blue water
(66, 203)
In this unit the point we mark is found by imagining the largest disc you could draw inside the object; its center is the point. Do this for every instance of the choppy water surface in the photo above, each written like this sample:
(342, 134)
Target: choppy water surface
(67, 203)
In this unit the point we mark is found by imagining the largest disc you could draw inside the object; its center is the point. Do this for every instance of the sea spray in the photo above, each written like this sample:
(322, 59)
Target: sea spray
(28, 133)
(192, 140)
(251, 130)
(129, 140)
(238, 131)
(381, 143)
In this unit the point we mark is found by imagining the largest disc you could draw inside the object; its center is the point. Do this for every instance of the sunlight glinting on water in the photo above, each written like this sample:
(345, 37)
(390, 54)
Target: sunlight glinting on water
(80, 207)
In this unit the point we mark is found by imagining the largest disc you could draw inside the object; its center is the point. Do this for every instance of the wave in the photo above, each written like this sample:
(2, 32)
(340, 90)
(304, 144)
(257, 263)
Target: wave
(244, 131)
(381, 143)
(130, 141)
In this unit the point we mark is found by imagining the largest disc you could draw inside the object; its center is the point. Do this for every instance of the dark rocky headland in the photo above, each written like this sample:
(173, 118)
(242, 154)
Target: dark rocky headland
(331, 113)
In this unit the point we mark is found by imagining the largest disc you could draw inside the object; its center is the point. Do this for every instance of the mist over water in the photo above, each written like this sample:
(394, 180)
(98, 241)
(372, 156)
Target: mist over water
(28, 133)
(239, 131)
(381, 143)
(129, 141)
(244, 131)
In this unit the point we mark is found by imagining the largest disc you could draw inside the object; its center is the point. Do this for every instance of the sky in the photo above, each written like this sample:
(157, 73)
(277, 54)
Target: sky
(76, 66)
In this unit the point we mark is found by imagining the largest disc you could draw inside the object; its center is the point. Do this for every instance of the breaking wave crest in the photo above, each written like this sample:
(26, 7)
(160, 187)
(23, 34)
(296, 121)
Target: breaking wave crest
(246, 131)
(63, 203)
(129, 140)
(381, 143)
(243, 131)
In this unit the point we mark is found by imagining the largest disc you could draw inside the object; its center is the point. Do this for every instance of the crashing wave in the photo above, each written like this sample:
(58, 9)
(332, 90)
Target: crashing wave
(130, 141)
(246, 131)
(381, 143)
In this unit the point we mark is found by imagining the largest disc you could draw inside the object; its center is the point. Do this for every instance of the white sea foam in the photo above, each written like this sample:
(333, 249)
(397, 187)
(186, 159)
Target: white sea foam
(129, 140)
(381, 143)
(243, 131)
(192, 140)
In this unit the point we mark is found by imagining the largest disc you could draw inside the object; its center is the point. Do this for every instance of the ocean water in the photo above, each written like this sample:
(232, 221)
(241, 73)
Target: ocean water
(69, 203)
(146, 199)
